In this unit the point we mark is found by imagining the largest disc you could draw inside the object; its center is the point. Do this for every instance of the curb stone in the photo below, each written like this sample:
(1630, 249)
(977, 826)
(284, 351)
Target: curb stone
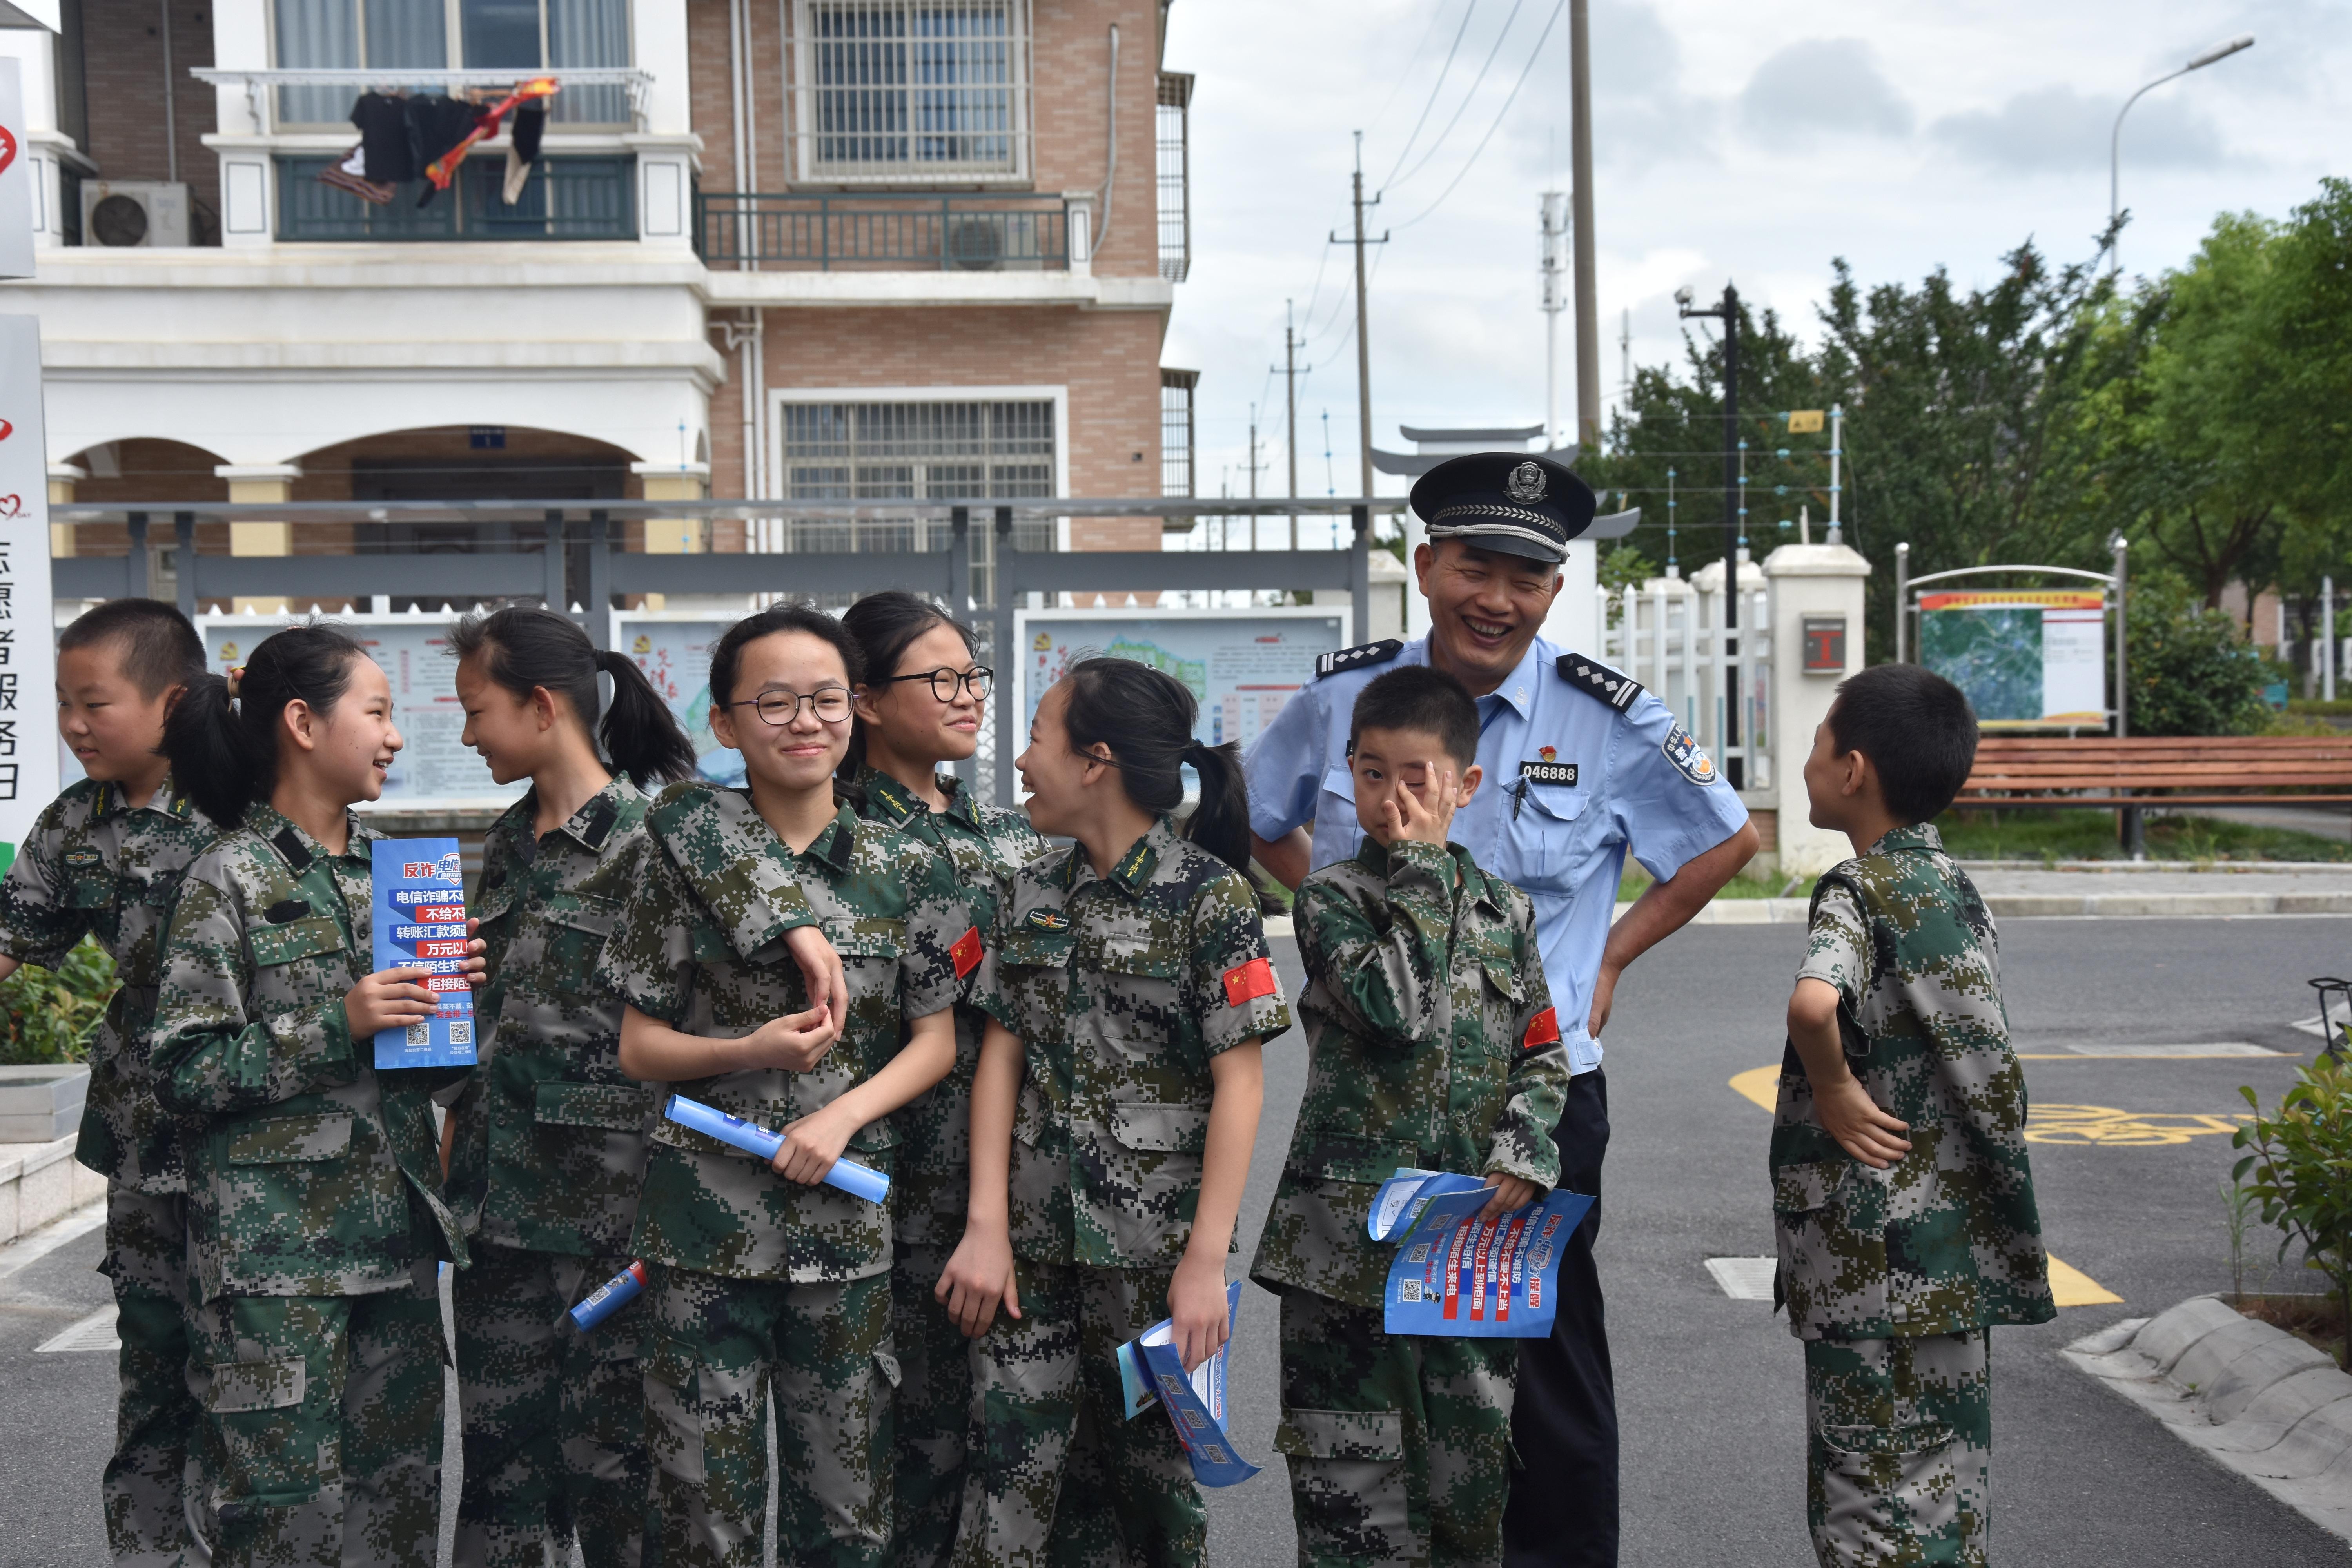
(2255, 1397)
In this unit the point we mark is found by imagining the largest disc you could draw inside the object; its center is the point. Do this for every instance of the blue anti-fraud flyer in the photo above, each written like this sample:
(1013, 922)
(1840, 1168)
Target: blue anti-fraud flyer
(1461, 1274)
(1150, 1372)
(420, 923)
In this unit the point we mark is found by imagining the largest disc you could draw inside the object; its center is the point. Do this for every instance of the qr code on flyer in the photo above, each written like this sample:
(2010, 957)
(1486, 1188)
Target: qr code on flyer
(462, 1033)
(1408, 1289)
(420, 1034)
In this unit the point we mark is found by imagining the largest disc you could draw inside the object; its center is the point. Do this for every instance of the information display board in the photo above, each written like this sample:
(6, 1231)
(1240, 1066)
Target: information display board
(436, 767)
(2031, 659)
(1241, 665)
(674, 650)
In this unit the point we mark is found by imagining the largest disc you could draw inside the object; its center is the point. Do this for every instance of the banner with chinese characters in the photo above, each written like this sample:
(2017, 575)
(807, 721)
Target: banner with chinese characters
(2033, 660)
(28, 663)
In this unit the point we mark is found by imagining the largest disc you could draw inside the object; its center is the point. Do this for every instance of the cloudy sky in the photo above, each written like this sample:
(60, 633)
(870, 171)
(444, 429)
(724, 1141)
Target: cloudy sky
(1745, 141)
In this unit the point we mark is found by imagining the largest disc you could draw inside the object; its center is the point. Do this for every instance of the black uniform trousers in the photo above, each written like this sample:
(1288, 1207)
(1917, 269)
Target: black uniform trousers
(1563, 1506)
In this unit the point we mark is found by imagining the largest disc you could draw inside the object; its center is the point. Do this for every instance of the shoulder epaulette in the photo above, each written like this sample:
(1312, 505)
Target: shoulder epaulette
(600, 827)
(1598, 681)
(1358, 657)
(290, 846)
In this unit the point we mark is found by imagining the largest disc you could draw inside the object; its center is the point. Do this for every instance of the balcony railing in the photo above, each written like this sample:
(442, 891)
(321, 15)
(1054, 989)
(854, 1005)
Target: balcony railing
(874, 232)
(565, 198)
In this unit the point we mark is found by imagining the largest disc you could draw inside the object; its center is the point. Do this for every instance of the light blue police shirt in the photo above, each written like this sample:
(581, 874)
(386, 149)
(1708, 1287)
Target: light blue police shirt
(1642, 783)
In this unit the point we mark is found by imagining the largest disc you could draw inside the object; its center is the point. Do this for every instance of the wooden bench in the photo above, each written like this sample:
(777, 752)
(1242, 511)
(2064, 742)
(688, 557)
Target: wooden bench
(2016, 772)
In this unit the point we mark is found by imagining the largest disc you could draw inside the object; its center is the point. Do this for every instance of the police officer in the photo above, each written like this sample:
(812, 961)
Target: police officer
(1584, 766)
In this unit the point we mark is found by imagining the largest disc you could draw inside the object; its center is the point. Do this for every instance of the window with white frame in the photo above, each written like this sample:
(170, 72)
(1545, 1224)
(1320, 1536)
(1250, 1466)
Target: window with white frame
(918, 451)
(908, 91)
(408, 39)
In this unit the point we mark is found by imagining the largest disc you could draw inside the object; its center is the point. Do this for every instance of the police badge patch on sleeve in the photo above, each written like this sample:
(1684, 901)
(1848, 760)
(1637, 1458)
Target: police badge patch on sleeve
(1682, 749)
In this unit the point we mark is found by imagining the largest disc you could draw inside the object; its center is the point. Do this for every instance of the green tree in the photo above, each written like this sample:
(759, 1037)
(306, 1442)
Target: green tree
(2191, 672)
(49, 1015)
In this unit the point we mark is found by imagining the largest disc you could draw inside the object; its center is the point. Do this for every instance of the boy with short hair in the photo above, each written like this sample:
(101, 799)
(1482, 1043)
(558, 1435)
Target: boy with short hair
(105, 860)
(1432, 1044)
(1902, 1201)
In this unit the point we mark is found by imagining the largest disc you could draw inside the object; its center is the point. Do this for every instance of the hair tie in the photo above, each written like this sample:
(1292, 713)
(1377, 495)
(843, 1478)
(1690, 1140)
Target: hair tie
(609, 661)
(234, 680)
(1196, 750)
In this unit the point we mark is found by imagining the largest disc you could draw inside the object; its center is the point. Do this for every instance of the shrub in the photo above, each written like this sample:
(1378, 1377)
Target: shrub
(49, 1015)
(2302, 1166)
(2191, 673)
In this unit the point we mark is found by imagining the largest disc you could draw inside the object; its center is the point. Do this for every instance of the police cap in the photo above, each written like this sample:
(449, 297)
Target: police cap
(1511, 501)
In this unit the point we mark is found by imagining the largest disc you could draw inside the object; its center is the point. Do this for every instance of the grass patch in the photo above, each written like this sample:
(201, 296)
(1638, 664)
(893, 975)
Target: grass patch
(2090, 835)
(2316, 1320)
(1635, 881)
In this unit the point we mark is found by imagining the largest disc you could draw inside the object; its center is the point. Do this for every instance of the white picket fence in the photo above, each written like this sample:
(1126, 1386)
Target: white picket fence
(1668, 635)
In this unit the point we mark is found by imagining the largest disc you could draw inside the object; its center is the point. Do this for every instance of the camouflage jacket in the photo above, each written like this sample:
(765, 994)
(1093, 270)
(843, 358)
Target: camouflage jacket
(700, 947)
(97, 866)
(984, 845)
(1431, 1043)
(309, 1172)
(1121, 988)
(1947, 1240)
(551, 1149)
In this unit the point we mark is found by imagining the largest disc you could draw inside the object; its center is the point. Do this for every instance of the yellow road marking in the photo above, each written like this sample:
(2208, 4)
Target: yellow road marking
(2069, 1286)
(2105, 1126)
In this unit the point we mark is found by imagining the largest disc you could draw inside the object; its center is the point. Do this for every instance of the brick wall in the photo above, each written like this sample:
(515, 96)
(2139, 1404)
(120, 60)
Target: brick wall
(122, 62)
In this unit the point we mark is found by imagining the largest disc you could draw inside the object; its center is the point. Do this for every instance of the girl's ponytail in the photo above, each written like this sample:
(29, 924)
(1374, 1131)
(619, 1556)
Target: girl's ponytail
(524, 648)
(1145, 716)
(222, 741)
(639, 731)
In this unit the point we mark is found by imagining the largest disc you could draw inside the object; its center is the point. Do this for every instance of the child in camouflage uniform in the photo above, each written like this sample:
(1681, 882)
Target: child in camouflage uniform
(1430, 1044)
(548, 1142)
(923, 704)
(314, 1189)
(1111, 1126)
(104, 861)
(762, 1277)
(1902, 1200)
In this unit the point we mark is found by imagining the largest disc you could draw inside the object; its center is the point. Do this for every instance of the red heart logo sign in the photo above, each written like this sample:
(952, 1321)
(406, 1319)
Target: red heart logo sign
(7, 430)
(11, 505)
(7, 149)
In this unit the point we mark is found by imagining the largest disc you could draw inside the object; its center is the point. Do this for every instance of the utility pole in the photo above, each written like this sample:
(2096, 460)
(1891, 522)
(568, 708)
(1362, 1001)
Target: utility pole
(1734, 484)
(1625, 360)
(1363, 341)
(1580, 154)
(1290, 372)
(1555, 224)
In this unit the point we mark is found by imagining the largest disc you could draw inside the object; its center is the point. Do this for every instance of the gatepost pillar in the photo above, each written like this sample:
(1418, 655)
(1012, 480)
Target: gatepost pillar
(1817, 600)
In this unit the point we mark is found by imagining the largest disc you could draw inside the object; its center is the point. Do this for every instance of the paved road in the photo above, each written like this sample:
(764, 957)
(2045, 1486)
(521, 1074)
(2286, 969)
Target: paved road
(1709, 1387)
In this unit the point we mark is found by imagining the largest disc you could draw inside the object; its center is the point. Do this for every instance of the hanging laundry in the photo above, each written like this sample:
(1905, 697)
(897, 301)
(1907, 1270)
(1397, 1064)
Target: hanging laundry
(387, 145)
(522, 152)
(444, 169)
(438, 125)
(347, 176)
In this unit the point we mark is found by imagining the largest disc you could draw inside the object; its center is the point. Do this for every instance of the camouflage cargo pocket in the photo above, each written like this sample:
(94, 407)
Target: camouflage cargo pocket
(615, 1107)
(1803, 1188)
(236, 1387)
(1348, 1484)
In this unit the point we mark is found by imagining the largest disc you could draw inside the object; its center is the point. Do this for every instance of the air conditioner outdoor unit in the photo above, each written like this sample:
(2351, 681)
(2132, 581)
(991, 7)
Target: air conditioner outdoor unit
(133, 212)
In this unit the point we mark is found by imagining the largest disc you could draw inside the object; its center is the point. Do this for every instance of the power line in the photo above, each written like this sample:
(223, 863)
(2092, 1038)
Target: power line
(1532, 55)
(1462, 108)
(1434, 88)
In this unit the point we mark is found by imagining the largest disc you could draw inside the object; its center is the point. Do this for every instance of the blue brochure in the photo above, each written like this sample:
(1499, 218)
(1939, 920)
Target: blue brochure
(1460, 1274)
(859, 1180)
(1152, 1372)
(419, 915)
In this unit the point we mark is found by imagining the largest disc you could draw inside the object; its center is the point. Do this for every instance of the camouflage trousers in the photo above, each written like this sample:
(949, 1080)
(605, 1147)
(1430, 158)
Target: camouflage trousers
(155, 1417)
(1898, 1450)
(714, 1349)
(1063, 1478)
(554, 1420)
(934, 1410)
(1399, 1447)
(322, 1425)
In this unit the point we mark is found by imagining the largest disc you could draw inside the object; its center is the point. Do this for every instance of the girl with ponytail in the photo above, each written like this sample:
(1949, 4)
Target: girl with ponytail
(316, 1210)
(1113, 1113)
(545, 1150)
(923, 706)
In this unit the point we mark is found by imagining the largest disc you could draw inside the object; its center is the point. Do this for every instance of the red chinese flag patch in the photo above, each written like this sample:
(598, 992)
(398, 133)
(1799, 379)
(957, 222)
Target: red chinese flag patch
(966, 952)
(1253, 979)
(1543, 1029)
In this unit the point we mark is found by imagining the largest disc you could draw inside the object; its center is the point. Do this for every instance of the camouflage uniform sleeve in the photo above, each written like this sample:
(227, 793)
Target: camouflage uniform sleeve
(1837, 947)
(36, 924)
(1383, 966)
(1233, 993)
(648, 959)
(1537, 1086)
(208, 1055)
(939, 918)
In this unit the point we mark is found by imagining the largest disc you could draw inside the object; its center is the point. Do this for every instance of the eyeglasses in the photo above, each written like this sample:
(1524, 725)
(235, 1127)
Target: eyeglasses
(945, 683)
(831, 704)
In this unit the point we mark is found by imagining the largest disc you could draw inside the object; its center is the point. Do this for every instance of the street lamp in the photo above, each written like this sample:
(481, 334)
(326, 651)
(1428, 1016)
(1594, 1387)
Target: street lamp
(2114, 139)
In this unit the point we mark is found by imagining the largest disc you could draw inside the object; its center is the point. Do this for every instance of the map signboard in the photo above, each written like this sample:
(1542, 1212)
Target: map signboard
(1241, 665)
(2026, 659)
